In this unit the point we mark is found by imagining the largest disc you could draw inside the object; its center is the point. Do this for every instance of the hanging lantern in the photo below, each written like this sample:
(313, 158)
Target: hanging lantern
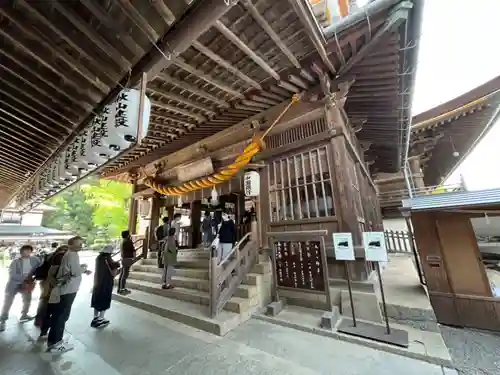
(251, 184)
(179, 201)
(214, 201)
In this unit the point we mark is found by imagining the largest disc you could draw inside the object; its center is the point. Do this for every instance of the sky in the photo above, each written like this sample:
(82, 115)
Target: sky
(456, 55)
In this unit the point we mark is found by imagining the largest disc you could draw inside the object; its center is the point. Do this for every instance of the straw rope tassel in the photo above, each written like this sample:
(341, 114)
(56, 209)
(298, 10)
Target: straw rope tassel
(225, 173)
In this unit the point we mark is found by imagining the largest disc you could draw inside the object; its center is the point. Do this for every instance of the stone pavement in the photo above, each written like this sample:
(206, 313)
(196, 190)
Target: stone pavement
(137, 343)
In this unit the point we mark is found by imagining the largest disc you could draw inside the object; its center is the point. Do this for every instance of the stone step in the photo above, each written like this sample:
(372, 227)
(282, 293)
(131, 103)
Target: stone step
(192, 253)
(184, 272)
(262, 268)
(178, 281)
(181, 263)
(243, 291)
(235, 304)
(191, 314)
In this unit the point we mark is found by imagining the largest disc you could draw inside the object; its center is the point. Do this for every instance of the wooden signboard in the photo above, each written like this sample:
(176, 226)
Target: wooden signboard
(299, 262)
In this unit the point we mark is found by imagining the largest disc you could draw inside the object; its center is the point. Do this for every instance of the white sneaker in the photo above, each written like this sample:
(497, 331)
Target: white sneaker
(26, 318)
(60, 348)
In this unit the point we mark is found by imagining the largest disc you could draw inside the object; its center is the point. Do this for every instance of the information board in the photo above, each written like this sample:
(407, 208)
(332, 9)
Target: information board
(374, 244)
(299, 265)
(342, 245)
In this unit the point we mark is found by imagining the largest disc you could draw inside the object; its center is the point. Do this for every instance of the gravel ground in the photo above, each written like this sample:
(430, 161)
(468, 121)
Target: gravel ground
(473, 352)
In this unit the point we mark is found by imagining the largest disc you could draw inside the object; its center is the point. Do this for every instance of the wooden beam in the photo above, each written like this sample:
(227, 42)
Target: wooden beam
(189, 29)
(205, 77)
(109, 50)
(21, 137)
(261, 21)
(226, 65)
(56, 51)
(76, 101)
(193, 89)
(103, 16)
(37, 128)
(164, 11)
(178, 110)
(397, 17)
(174, 119)
(181, 99)
(167, 126)
(137, 18)
(224, 30)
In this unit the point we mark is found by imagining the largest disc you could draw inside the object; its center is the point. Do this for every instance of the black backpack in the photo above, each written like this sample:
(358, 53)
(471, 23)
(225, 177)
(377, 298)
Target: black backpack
(42, 272)
(159, 233)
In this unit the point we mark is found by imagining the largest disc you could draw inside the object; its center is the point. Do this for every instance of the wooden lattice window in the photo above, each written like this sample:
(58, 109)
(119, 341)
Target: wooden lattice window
(300, 186)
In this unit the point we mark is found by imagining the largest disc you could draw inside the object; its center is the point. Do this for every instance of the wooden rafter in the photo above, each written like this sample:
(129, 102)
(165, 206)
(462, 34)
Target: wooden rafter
(181, 99)
(174, 109)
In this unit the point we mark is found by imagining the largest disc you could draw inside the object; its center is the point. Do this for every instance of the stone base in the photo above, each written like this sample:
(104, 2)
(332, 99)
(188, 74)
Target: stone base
(374, 332)
(274, 308)
(329, 319)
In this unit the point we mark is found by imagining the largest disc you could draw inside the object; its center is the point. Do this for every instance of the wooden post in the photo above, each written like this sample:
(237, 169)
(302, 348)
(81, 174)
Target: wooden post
(195, 223)
(132, 214)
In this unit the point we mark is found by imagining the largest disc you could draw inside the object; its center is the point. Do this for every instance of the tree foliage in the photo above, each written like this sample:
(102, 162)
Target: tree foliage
(95, 209)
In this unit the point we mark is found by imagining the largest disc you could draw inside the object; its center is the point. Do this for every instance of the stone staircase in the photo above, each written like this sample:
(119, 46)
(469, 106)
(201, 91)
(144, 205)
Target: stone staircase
(188, 301)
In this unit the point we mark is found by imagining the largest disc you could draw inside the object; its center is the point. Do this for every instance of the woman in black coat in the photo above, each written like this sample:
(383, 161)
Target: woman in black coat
(105, 271)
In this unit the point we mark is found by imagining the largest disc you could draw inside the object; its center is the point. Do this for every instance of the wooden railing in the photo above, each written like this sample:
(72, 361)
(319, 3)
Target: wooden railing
(398, 241)
(227, 275)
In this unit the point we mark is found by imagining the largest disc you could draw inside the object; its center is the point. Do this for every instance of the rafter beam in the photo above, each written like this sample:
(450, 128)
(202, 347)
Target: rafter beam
(103, 16)
(205, 77)
(109, 50)
(137, 18)
(168, 126)
(397, 17)
(37, 128)
(174, 119)
(56, 51)
(178, 110)
(193, 89)
(21, 138)
(226, 65)
(189, 29)
(181, 99)
(233, 38)
(261, 21)
(164, 11)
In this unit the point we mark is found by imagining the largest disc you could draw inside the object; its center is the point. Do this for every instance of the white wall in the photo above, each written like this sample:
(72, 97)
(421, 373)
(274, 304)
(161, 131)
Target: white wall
(32, 219)
(395, 224)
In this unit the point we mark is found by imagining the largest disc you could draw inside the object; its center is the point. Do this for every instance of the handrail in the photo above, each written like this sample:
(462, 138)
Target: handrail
(228, 274)
(236, 246)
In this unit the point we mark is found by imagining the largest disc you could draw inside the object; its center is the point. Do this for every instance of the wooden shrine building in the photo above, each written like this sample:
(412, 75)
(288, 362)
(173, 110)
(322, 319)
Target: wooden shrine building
(441, 139)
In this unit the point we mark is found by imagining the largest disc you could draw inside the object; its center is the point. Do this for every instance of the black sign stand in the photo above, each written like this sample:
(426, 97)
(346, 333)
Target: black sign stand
(368, 330)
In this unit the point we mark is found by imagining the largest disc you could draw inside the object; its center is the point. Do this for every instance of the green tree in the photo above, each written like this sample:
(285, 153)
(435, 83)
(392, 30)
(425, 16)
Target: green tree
(95, 209)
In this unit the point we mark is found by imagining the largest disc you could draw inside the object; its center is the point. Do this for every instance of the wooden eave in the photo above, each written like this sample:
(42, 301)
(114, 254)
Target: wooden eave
(60, 61)
(255, 57)
(457, 125)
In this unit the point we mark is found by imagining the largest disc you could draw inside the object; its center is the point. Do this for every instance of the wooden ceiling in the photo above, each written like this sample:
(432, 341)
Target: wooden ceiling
(257, 55)
(59, 60)
(214, 64)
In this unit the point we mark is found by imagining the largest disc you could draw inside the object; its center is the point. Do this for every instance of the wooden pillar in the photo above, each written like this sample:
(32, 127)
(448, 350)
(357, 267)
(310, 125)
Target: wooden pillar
(155, 220)
(416, 172)
(132, 214)
(195, 223)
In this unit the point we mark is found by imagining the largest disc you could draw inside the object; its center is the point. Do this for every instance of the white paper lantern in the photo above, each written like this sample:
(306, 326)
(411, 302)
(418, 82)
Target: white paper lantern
(251, 184)
(97, 151)
(123, 120)
(214, 199)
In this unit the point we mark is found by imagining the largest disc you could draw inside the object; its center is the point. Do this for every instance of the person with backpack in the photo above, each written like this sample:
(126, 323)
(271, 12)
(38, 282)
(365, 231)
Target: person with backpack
(45, 274)
(206, 229)
(106, 269)
(21, 281)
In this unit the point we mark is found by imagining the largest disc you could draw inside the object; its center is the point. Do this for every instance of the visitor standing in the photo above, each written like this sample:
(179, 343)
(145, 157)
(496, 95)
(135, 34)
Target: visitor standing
(128, 256)
(161, 233)
(169, 259)
(227, 237)
(206, 229)
(20, 281)
(176, 224)
(105, 272)
(68, 280)
(46, 274)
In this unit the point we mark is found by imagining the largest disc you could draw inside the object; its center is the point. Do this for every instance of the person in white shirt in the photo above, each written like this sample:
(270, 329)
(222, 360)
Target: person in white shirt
(20, 281)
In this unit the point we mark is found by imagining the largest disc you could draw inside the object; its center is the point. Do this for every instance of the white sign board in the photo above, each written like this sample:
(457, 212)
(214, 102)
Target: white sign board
(374, 244)
(251, 184)
(342, 245)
